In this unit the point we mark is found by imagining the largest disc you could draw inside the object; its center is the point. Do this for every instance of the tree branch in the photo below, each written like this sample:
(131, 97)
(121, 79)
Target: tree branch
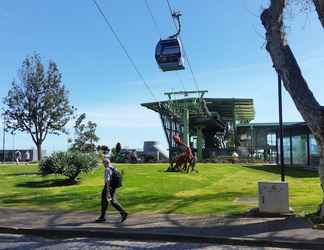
(30, 132)
(319, 6)
(286, 65)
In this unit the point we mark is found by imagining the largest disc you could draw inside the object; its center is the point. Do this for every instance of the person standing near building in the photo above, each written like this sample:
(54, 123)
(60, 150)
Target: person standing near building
(27, 156)
(18, 156)
(109, 192)
(235, 157)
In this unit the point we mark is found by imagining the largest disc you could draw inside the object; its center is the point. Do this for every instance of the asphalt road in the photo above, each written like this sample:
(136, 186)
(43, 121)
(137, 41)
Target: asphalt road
(22, 242)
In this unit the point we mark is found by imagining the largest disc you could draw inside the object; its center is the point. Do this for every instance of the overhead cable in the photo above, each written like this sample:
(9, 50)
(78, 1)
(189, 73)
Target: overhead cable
(160, 34)
(185, 53)
(153, 18)
(124, 48)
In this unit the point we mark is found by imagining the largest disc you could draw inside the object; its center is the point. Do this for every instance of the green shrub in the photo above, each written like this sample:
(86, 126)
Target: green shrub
(70, 163)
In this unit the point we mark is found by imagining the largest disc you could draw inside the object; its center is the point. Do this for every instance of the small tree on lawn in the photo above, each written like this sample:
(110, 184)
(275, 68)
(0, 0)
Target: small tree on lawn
(38, 104)
(85, 135)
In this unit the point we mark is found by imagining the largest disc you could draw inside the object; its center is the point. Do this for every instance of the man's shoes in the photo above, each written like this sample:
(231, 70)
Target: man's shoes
(123, 217)
(101, 219)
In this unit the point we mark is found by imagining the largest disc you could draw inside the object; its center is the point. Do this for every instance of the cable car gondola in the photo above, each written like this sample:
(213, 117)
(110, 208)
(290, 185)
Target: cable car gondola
(168, 52)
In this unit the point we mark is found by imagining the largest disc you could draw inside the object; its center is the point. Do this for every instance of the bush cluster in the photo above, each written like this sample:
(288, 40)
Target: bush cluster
(70, 163)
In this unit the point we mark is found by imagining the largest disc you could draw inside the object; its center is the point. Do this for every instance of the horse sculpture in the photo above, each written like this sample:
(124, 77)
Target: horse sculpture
(185, 161)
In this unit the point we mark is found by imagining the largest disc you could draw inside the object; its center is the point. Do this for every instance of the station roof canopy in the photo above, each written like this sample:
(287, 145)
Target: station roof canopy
(228, 109)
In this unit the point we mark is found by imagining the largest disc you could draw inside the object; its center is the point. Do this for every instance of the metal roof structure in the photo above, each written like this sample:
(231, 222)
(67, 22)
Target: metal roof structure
(206, 119)
(231, 109)
(227, 109)
(274, 124)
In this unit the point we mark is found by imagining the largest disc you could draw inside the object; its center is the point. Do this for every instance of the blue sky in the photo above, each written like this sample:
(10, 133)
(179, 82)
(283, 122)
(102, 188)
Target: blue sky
(224, 40)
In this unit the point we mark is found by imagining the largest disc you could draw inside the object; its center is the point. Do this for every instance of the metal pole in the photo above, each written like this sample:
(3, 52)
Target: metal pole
(282, 163)
(199, 143)
(186, 126)
(13, 141)
(3, 139)
(308, 150)
(277, 148)
(291, 149)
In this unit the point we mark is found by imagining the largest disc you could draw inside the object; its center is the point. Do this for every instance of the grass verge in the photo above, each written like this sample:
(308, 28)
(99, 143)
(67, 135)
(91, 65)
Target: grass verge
(224, 189)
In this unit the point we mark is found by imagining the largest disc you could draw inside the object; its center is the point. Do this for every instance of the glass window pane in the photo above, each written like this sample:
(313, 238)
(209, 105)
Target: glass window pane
(299, 150)
(314, 155)
(286, 146)
(170, 50)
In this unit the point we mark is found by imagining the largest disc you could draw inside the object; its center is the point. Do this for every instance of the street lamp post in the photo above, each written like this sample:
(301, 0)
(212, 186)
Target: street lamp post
(282, 163)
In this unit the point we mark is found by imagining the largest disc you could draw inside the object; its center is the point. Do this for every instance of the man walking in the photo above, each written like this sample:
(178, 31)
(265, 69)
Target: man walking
(109, 193)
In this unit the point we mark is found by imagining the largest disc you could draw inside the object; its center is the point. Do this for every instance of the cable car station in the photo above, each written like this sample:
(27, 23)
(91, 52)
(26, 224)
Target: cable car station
(209, 125)
(215, 127)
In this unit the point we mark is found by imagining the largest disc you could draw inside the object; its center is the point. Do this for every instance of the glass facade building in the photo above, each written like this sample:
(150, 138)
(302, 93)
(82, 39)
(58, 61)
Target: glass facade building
(300, 148)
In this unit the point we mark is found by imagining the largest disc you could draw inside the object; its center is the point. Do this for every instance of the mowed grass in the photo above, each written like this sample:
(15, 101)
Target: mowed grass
(223, 189)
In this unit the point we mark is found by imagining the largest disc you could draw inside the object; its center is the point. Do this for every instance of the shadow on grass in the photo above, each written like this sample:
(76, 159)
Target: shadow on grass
(169, 203)
(295, 172)
(230, 208)
(47, 183)
(90, 201)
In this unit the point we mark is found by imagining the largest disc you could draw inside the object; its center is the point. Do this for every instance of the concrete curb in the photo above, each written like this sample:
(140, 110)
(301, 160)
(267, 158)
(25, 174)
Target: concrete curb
(129, 235)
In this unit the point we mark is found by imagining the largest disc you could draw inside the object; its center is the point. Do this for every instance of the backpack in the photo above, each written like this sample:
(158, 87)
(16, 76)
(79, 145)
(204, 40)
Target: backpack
(116, 178)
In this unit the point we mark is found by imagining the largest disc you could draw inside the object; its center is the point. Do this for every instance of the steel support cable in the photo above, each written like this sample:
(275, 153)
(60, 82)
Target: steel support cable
(181, 81)
(189, 64)
(184, 50)
(153, 18)
(160, 34)
(124, 49)
(171, 11)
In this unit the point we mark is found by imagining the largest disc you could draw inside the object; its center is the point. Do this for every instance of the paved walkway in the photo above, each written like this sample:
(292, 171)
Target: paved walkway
(248, 230)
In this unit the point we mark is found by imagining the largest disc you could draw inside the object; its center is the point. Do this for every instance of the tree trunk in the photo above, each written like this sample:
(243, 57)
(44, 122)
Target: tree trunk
(286, 65)
(319, 6)
(321, 174)
(39, 151)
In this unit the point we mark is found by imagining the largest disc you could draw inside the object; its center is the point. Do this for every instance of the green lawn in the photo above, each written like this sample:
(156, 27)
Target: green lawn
(217, 189)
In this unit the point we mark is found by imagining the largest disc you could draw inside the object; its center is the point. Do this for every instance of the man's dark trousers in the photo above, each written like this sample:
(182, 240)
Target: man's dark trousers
(114, 202)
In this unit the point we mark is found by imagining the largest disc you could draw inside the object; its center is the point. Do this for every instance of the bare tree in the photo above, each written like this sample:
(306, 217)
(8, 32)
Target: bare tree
(39, 103)
(287, 67)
